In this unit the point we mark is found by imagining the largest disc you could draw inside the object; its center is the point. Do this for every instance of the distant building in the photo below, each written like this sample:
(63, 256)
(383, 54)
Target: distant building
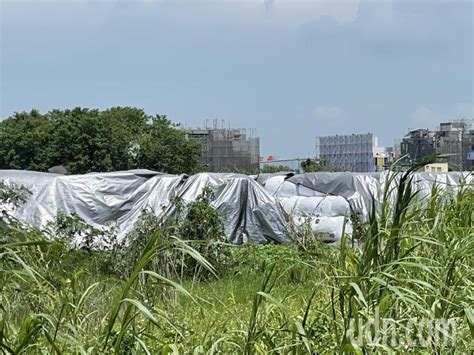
(397, 148)
(353, 152)
(383, 157)
(449, 140)
(468, 150)
(227, 148)
(418, 144)
(453, 139)
(436, 167)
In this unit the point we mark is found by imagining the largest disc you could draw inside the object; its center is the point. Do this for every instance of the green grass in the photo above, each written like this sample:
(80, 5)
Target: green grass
(414, 261)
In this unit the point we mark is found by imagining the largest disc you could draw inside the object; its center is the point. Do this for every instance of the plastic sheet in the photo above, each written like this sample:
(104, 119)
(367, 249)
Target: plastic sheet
(326, 198)
(102, 199)
(255, 209)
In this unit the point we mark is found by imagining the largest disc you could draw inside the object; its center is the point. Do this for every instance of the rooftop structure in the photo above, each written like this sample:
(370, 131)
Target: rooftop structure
(418, 144)
(453, 139)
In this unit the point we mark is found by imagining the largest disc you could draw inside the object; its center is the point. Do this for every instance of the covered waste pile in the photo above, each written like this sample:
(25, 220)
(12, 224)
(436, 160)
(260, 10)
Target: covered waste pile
(325, 200)
(119, 198)
(257, 209)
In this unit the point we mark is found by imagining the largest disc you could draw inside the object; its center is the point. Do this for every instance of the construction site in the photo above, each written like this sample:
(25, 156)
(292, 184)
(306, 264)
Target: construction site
(353, 152)
(228, 148)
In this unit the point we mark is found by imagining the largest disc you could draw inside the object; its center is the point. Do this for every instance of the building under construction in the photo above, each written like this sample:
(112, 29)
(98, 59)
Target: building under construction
(353, 152)
(227, 149)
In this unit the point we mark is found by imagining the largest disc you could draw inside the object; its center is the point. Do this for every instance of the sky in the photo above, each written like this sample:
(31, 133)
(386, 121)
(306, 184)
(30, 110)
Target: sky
(291, 69)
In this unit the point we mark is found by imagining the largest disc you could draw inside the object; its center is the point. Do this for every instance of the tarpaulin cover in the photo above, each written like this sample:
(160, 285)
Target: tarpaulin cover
(326, 199)
(102, 199)
(358, 188)
(255, 209)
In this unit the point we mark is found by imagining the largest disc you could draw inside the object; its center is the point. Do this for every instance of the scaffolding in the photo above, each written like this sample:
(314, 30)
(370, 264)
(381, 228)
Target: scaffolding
(227, 148)
(354, 152)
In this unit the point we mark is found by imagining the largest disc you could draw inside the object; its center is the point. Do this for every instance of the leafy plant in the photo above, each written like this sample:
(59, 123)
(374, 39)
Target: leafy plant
(155, 294)
(86, 140)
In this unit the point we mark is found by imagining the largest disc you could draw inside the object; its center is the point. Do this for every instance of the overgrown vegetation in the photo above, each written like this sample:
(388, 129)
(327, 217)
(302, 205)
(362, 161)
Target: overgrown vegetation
(176, 287)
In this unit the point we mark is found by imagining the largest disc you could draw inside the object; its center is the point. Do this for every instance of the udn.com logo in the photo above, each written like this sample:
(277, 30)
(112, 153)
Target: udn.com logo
(407, 334)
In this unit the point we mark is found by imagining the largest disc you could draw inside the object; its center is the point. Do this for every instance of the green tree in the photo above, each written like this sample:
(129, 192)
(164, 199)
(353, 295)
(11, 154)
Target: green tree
(315, 165)
(25, 142)
(85, 140)
(126, 124)
(275, 168)
(81, 141)
(91, 140)
(164, 148)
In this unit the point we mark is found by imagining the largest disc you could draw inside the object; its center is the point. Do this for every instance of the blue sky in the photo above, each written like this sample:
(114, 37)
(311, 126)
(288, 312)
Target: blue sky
(291, 69)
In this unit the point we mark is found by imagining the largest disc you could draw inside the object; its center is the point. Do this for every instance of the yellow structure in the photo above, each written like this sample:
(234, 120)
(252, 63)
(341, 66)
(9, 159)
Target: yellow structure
(437, 168)
(379, 163)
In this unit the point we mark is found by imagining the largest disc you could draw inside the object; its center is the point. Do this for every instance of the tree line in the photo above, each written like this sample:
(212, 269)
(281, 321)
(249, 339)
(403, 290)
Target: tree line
(86, 140)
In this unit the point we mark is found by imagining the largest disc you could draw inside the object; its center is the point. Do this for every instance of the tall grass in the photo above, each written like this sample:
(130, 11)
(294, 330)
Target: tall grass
(414, 261)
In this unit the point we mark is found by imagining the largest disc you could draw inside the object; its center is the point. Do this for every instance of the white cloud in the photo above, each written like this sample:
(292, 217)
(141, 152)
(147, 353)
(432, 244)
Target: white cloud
(328, 112)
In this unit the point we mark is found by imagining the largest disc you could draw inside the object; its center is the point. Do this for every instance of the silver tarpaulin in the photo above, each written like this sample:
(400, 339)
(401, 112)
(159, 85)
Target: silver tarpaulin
(119, 198)
(325, 200)
(257, 209)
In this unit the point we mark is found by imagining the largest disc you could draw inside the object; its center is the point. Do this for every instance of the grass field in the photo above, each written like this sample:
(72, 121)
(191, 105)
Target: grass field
(165, 293)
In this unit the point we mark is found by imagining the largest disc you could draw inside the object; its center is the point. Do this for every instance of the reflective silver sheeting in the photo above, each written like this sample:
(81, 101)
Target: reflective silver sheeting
(324, 199)
(252, 212)
(102, 199)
